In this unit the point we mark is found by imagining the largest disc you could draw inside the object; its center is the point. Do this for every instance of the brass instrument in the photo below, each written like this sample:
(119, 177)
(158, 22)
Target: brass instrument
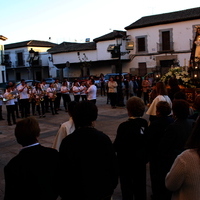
(37, 102)
(32, 96)
(29, 87)
(10, 96)
(54, 96)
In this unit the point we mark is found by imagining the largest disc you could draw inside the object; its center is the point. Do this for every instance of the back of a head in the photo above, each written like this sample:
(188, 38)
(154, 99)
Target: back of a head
(135, 107)
(180, 109)
(196, 104)
(163, 108)
(161, 88)
(71, 107)
(27, 131)
(180, 95)
(84, 114)
(194, 139)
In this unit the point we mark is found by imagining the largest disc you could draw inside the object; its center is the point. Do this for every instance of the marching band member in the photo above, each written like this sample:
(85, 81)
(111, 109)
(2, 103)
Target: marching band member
(23, 98)
(32, 98)
(58, 85)
(44, 87)
(39, 98)
(10, 106)
(16, 100)
(51, 93)
(83, 89)
(76, 91)
(65, 89)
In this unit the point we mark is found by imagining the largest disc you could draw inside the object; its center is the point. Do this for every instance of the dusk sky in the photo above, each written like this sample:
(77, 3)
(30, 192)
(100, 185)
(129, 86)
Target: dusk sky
(76, 20)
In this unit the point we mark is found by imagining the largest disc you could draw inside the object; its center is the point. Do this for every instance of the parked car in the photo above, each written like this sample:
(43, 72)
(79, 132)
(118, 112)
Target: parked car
(49, 80)
(107, 76)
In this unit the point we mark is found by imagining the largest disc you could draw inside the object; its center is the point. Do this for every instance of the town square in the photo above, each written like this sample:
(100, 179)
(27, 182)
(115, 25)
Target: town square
(115, 117)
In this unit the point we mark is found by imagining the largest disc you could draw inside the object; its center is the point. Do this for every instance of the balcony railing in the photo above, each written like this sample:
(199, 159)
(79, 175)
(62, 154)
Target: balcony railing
(167, 47)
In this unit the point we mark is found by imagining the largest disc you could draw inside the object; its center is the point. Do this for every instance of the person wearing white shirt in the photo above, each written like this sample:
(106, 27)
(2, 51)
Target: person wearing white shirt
(58, 86)
(44, 87)
(76, 91)
(83, 89)
(10, 106)
(51, 92)
(161, 96)
(66, 128)
(65, 89)
(92, 91)
(23, 98)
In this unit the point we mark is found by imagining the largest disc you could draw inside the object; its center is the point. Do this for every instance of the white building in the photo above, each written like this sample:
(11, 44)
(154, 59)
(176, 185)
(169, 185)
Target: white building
(19, 65)
(160, 41)
(2, 65)
(151, 44)
(163, 40)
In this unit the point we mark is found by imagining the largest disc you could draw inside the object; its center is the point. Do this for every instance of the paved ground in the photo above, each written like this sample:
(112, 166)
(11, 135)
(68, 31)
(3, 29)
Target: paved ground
(108, 121)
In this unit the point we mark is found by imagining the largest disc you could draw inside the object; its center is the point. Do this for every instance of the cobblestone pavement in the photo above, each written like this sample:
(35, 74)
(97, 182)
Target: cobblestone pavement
(108, 121)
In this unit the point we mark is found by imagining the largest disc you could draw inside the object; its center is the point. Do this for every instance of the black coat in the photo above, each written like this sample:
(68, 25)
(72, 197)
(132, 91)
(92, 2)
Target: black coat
(32, 174)
(130, 145)
(88, 165)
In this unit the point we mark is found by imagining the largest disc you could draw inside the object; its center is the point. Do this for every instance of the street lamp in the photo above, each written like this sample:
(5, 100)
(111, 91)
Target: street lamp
(32, 55)
(118, 39)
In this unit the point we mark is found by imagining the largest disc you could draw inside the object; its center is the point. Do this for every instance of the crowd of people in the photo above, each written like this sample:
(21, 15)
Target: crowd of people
(84, 163)
(25, 100)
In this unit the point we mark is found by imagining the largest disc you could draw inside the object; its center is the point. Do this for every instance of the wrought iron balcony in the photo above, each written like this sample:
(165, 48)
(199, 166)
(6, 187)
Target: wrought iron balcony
(165, 47)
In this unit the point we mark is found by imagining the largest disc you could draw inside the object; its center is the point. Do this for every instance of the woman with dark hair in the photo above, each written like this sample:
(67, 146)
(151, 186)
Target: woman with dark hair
(155, 133)
(173, 142)
(195, 108)
(184, 176)
(33, 173)
(51, 93)
(65, 89)
(162, 95)
(87, 159)
(174, 87)
(112, 92)
(130, 147)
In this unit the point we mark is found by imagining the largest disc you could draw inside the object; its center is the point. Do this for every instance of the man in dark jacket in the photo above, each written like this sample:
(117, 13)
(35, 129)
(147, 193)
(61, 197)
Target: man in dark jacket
(87, 159)
(32, 174)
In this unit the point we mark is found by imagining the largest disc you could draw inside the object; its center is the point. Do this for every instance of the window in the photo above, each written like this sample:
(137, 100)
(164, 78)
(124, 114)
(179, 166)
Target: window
(20, 61)
(18, 76)
(165, 40)
(141, 44)
(7, 61)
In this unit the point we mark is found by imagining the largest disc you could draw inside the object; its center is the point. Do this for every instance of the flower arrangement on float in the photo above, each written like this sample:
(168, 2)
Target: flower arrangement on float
(181, 75)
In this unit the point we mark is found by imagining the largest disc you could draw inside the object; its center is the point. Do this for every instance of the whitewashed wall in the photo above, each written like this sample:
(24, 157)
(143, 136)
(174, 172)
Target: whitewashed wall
(2, 67)
(182, 33)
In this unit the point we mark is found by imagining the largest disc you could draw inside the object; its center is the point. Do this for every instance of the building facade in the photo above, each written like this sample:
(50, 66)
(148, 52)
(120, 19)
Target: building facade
(162, 41)
(151, 44)
(159, 42)
(2, 64)
(20, 65)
